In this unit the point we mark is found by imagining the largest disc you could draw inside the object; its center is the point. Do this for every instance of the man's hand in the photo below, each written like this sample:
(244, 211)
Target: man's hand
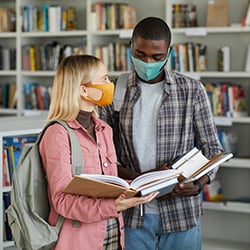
(181, 189)
(187, 189)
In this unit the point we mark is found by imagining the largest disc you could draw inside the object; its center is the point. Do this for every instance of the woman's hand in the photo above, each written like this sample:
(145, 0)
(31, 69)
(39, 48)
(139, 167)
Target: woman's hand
(122, 203)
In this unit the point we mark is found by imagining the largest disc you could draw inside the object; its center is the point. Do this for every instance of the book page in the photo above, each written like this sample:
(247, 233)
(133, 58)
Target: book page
(153, 177)
(164, 187)
(213, 163)
(184, 158)
(194, 163)
(107, 178)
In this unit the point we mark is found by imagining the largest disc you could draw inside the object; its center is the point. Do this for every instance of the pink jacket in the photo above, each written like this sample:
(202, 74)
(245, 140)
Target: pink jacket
(92, 213)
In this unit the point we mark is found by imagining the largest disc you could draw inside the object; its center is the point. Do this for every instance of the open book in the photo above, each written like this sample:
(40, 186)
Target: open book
(189, 167)
(194, 164)
(108, 186)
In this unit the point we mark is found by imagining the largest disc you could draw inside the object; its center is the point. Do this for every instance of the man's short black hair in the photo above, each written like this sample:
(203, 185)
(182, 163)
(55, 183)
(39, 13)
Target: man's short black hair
(152, 28)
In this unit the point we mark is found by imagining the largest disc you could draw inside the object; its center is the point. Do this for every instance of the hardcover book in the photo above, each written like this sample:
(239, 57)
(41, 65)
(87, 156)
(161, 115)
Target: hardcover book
(193, 165)
(189, 167)
(108, 186)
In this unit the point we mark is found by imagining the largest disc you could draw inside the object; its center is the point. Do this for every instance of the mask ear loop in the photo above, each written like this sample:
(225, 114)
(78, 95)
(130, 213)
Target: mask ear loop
(169, 51)
(167, 56)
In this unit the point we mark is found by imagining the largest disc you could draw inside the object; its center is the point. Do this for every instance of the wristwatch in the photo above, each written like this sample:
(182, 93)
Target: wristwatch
(197, 182)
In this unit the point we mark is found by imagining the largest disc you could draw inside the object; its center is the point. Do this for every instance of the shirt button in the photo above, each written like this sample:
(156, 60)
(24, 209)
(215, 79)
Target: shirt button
(105, 164)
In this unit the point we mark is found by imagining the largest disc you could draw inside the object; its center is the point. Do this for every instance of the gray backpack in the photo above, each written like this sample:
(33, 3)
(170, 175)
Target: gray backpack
(29, 208)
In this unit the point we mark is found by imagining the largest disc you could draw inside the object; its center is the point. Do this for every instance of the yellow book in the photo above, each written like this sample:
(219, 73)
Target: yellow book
(32, 59)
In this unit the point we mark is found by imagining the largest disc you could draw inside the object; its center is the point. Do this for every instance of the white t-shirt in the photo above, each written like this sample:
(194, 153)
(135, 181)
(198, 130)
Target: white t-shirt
(145, 115)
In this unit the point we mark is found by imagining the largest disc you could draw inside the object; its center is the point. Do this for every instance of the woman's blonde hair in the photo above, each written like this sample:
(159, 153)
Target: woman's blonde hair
(70, 74)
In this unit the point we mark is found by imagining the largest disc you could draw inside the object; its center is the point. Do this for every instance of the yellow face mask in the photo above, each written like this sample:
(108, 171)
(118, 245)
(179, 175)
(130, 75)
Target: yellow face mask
(104, 97)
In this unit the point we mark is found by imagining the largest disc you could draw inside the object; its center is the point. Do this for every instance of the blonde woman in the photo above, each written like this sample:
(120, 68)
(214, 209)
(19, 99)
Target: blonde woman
(80, 85)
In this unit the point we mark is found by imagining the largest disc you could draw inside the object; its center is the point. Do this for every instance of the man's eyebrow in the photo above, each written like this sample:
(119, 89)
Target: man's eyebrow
(139, 51)
(156, 54)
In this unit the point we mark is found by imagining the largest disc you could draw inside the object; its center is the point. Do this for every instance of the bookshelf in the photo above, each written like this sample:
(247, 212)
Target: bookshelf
(221, 222)
(85, 35)
(225, 225)
(19, 121)
(13, 127)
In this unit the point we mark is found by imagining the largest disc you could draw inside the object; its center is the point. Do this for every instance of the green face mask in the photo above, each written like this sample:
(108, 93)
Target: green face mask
(148, 71)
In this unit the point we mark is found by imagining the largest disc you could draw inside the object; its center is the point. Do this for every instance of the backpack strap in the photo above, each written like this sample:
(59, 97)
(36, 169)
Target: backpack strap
(76, 152)
(120, 90)
(77, 164)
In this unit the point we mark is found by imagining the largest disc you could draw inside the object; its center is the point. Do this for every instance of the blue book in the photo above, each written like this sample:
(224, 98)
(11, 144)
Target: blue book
(17, 142)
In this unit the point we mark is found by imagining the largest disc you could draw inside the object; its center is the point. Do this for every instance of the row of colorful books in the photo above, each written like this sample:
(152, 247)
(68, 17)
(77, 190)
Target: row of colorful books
(227, 99)
(37, 96)
(8, 20)
(48, 18)
(188, 57)
(110, 15)
(12, 148)
(228, 140)
(184, 15)
(116, 56)
(7, 58)
(47, 56)
(8, 95)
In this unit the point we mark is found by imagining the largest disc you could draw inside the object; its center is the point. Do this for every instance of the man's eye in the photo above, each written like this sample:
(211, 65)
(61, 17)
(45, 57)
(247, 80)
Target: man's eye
(159, 58)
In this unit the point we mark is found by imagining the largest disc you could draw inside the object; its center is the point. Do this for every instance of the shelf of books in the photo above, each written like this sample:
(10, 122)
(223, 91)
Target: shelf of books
(14, 133)
(215, 50)
(211, 43)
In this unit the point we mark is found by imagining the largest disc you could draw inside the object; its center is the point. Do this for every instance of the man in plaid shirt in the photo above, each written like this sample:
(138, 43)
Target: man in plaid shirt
(164, 114)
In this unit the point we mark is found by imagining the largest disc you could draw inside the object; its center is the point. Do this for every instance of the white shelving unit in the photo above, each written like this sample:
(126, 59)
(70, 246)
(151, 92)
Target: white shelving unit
(85, 34)
(11, 126)
(225, 226)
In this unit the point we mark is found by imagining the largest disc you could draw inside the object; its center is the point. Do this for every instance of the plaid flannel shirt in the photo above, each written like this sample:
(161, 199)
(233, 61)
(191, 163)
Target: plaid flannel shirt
(185, 120)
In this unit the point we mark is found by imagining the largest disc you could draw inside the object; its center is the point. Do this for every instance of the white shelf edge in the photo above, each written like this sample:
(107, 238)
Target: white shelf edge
(211, 30)
(20, 132)
(207, 74)
(228, 121)
(8, 72)
(8, 243)
(216, 244)
(41, 73)
(8, 34)
(7, 111)
(54, 34)
(6, 189)
(237, 163)
(123, 33)
(11, 126)
(218, 74)
(236, 207)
